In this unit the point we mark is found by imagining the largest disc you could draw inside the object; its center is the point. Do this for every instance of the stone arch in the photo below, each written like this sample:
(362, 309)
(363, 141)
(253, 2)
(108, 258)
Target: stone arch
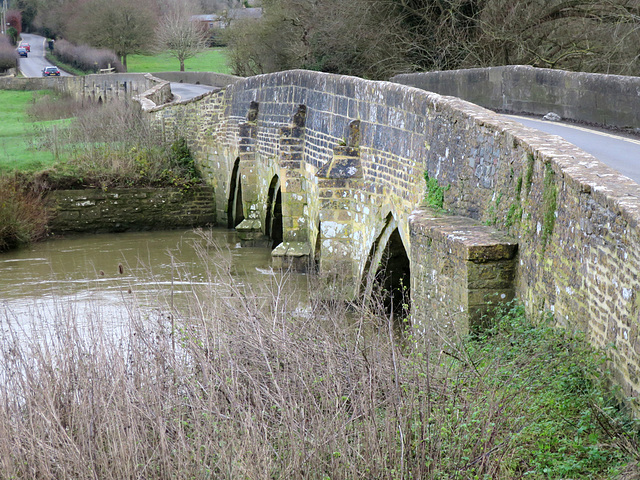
(235, 213)
(273, 220)
(388, 270)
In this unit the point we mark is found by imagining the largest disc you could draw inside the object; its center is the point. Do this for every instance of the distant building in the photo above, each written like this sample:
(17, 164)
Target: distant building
(207, 22)
(211, 21)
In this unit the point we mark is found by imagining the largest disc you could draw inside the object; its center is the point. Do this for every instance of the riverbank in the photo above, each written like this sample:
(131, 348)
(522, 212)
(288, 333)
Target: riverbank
(111, 152)
(129, 209)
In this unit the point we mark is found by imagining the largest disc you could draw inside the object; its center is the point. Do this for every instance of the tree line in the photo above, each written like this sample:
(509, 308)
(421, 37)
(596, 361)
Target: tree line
(379, 38)
(124, 26)
(368, 38)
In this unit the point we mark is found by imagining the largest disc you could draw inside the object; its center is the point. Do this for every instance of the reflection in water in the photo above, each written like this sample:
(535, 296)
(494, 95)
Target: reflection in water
(105, 278)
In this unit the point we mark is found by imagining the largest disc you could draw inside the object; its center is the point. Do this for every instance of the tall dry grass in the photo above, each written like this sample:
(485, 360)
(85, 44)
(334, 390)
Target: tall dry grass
(49, 105)
(112, 144)
(245, 384)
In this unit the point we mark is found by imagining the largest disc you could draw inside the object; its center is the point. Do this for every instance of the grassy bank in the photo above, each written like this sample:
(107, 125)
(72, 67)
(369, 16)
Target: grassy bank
(213, 60)
(243, 385)
(19, 133)
(76, 146)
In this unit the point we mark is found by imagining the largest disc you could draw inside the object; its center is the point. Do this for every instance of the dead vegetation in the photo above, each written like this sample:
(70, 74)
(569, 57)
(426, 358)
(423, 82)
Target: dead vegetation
(246, 384)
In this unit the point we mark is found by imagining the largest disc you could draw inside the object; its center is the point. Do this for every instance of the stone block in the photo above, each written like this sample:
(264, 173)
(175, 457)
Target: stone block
(294, 256)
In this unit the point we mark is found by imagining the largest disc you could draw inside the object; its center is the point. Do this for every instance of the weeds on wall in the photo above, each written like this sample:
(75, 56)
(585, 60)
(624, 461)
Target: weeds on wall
(514, 214)
(434, 192)
(549, 202)
(248, 385)
(528, 177)
(492, 211)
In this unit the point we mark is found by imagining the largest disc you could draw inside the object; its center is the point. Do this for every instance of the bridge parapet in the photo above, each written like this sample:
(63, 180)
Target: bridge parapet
(610, 100)
(96, 88)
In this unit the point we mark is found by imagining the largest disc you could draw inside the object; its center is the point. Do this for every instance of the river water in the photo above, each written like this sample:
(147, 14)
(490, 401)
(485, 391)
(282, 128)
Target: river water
(105, 278)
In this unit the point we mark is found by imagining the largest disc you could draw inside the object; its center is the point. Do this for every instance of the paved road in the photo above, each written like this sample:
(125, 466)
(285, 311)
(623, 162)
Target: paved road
(32, 65)
(189, 90)
(620, 153)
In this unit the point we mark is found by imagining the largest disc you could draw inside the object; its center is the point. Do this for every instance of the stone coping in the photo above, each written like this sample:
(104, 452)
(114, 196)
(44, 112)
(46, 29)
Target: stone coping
(472, 240)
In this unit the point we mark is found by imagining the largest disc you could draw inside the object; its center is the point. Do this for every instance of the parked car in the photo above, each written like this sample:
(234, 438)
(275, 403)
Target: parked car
(22, 52)
(26, 46)
(50, 72)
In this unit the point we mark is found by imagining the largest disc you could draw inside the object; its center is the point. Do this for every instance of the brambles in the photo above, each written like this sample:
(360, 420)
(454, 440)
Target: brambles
(23, 216)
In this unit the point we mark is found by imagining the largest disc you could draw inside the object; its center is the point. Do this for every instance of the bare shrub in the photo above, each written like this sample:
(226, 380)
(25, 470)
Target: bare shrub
(85, 58)
(113, 144)
(244, 384)
(48, 105)
(8, 54)
(23, 217)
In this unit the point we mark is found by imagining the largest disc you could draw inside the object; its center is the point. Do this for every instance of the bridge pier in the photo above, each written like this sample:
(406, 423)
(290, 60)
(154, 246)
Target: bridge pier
(461, 271)
(339, 181)
(294, 252)
(243, 201)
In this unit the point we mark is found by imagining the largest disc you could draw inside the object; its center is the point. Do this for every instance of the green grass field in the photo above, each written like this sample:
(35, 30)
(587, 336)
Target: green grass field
(17, 134)
(213, 60)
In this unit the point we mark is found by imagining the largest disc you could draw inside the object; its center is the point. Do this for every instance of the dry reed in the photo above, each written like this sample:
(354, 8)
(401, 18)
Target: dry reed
(245, 384)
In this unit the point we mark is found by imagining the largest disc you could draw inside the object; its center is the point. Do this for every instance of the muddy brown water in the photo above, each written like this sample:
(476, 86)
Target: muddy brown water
(103, 278)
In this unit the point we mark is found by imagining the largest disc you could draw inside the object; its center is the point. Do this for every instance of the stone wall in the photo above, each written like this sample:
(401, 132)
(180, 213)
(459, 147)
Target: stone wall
(350, 156)
(159, 94)
(611, 100)
(465, 267)
(130, 209)
(96, 88)
(198, 78)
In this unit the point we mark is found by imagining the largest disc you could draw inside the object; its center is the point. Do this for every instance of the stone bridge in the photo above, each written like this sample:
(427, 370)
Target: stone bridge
(348, 175)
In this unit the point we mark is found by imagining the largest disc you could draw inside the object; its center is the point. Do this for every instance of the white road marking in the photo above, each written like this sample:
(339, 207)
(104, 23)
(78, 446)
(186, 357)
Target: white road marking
(575, 127)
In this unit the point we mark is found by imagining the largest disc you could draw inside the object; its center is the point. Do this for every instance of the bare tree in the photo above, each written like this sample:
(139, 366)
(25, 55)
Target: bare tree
(180, 37)
(378, 38)
(125, 27)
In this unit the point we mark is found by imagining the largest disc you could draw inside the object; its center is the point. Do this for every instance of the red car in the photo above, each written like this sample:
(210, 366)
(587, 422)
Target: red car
(26, 46)
(50, 71)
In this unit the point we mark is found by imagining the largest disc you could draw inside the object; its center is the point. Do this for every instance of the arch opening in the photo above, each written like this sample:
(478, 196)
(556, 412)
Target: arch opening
(273, 220)
(395, 276)
(387, 274)
(235, 213)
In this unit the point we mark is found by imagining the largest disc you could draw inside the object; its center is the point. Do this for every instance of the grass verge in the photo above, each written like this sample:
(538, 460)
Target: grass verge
(18, 132)
(213, 60)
